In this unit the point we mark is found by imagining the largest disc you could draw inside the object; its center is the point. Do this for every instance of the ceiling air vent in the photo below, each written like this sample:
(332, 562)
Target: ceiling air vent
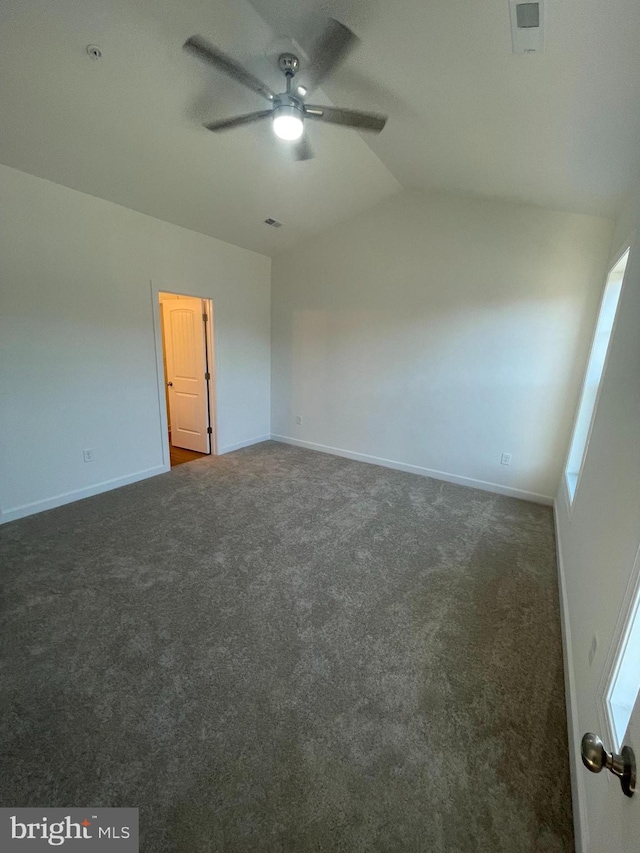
(273, 222)
(527, 26)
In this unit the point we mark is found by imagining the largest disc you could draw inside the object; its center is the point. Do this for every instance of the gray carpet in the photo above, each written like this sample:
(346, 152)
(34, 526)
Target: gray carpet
(281, 650)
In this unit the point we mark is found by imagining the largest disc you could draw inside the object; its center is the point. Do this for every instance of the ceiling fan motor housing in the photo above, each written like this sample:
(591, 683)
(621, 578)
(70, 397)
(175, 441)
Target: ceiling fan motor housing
(288, 100)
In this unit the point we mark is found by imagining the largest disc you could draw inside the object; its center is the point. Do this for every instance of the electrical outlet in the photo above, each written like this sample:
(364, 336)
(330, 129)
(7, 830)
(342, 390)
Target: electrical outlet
(593, 648)
(505, 459)
(298, 420)
(87, 455)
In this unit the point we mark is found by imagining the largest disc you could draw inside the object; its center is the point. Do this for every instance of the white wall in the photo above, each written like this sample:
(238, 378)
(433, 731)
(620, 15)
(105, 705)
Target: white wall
(438, 332)
(77, 351)
(598, 540)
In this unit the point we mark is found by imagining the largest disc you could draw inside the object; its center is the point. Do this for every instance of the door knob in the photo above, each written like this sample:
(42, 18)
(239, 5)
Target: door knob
(170, 384)
(595, 757)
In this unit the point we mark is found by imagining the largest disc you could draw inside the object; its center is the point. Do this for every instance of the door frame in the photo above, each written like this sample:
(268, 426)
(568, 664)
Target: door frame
(212, 361)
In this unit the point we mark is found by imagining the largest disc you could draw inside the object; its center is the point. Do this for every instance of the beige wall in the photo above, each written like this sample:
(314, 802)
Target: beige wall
(77, 343)
(438, 332)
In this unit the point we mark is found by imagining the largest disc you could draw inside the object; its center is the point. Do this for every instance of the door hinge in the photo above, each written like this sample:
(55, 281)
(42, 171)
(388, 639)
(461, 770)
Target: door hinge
(207, 376)
(209, 430)
(204, 318)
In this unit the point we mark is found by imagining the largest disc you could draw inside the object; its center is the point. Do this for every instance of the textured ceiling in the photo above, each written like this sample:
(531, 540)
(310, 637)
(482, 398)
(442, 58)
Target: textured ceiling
(560, 129)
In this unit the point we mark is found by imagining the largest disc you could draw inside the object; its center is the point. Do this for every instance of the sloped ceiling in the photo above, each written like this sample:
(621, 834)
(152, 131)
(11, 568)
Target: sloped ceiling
(127, 127)
(560, 129)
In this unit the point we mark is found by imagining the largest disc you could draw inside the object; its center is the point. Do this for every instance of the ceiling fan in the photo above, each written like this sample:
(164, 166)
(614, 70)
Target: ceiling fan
(288, 109)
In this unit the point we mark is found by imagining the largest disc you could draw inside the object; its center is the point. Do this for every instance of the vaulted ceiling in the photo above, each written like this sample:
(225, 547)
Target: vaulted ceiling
(560, 129)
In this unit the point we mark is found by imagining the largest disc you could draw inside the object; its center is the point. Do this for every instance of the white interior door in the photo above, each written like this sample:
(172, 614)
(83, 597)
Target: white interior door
(630, 809)
(185, 351)
(614, 818)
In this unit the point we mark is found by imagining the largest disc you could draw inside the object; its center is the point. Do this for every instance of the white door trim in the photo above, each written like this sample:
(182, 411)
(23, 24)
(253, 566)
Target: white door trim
(612, 663)
(578, 794)
(168, 287)
(211, 366)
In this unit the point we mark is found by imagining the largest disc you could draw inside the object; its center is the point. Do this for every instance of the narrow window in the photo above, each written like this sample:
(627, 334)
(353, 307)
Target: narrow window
(599, 349)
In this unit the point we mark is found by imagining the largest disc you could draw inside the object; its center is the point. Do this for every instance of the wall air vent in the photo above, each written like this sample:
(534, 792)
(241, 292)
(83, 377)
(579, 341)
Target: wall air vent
(527, 26)
(273, 222)
(527, 15)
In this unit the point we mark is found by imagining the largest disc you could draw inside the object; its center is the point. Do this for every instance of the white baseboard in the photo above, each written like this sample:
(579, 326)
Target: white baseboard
(580, 825)
(78, 494)
(229, 448)
(416, 469)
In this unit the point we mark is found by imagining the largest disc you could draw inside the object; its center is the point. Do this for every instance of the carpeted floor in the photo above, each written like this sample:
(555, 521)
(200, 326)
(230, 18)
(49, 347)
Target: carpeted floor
(281, 650)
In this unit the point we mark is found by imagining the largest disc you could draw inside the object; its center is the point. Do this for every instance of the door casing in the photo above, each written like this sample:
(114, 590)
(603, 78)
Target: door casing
(169, 287)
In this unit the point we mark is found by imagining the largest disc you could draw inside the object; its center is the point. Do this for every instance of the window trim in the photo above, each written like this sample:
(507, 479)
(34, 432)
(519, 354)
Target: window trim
(568, 476)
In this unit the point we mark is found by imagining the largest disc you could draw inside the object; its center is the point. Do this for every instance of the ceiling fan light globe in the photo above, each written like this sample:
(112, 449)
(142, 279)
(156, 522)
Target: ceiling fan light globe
(287, 123)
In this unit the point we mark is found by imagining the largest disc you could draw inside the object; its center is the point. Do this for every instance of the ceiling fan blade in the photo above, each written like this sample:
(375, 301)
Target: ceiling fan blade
(204, 50)
(236, 121)
(350, 118)
(335, 43)
(302, 150)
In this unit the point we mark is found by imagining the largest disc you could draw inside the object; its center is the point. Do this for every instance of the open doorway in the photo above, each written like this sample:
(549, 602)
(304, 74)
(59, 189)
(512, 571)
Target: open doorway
(187, 355)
